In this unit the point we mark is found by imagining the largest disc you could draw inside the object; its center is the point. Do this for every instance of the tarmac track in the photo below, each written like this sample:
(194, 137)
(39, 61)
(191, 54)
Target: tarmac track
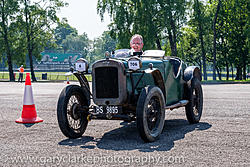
(222, 138)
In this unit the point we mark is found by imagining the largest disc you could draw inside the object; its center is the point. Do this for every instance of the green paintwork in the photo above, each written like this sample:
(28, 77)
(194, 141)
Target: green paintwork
(173, 86)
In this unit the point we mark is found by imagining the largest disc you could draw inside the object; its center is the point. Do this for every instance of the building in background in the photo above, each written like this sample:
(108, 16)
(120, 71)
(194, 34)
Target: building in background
(56, 61)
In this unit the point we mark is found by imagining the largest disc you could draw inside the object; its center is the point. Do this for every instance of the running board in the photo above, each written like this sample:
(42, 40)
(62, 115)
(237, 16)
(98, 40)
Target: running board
(177, 105)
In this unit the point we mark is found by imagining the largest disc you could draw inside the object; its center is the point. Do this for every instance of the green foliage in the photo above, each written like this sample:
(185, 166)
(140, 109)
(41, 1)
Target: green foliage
(8, 11)
(62, 30)
(156, 21)
(233, 38)
(68, 40)
(176, 26)
(77, 43)
(100, 46)
(37, 20)
(190, 46)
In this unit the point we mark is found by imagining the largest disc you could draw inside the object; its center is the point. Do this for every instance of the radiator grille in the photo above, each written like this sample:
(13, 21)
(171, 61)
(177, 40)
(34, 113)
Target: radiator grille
(106, 82)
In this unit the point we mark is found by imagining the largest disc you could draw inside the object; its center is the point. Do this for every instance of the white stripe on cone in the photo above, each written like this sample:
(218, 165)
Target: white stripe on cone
(28, 95)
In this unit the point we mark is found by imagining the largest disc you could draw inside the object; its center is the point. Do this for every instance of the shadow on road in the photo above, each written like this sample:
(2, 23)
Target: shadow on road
(127, 137)
(77, 142)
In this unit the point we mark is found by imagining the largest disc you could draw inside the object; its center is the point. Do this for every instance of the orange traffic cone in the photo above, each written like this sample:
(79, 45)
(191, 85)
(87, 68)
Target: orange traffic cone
(29, 111)
(67, 80)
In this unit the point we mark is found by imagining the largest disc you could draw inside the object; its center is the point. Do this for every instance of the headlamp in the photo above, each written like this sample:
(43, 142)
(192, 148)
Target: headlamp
(81, 65)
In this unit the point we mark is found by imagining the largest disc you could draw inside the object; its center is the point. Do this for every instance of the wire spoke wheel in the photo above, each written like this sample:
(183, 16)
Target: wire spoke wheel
(195, 97)
(73, 114)
(153, 113)
(150, 113)
(196, 101)
(71, 120)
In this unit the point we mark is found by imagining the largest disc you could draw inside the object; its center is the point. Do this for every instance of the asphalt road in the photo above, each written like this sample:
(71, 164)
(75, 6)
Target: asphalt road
(222, 138)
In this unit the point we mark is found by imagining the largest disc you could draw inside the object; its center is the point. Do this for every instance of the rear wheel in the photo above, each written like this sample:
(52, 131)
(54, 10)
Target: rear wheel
(150, 113)
(72, 121)
(195, 97)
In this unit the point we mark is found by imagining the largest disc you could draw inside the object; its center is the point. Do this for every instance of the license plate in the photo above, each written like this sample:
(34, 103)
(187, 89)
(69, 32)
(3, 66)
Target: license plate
(108, 109)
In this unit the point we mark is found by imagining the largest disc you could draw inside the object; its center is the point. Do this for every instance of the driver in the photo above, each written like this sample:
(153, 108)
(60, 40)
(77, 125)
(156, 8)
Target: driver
(136, 44)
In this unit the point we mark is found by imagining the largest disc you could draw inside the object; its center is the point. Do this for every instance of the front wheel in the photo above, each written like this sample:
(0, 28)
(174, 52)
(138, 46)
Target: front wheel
(195, 97)
(150, 113)
(71, 120)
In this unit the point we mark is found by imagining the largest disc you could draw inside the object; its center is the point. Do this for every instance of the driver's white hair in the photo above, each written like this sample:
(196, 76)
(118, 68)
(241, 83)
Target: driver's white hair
(136, 36)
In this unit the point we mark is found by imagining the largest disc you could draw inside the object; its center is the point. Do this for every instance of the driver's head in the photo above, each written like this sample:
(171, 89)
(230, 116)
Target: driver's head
(136, 43)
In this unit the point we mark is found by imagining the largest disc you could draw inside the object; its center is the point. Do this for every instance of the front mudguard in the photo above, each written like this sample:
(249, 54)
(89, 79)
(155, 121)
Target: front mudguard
(82, 80)
(158, 79)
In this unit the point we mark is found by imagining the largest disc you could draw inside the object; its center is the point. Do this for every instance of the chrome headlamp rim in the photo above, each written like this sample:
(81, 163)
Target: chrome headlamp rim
(81, 61)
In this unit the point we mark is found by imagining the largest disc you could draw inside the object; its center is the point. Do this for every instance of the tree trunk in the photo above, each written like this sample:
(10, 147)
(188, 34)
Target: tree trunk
(201, 41)
(173, 28)
(203, 58)
(10, 67)
(238, 73)
(31, 67)
(170, 37)
(9, 56)
(215, 36)
(232, 71)
(200, 65)
(244, 51)
(244, 71)
(29, 41)
(225, 56)
(174, 35)
(227, 69)
(244, 64)
(219, 72)
(6, 42)
(158, 43)
(170, 28)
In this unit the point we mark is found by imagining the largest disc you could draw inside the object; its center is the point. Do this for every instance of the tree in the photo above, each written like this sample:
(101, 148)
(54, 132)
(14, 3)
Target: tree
(201, 21)
(174, 18)
(232, 37)
(108, 44)
(215, 37)
(190, 46)
(8, 9)
(149, 18)
(78, 44)
(62, 30)
(38, 17)
(100, 46)
(237, 38)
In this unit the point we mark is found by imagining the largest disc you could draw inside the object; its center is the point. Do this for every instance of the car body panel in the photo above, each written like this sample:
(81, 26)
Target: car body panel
(168, 73)
(173, 86)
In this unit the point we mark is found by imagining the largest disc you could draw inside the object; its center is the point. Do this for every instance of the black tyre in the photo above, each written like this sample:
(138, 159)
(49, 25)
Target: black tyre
(150, 113)
(195, 97)
(71, 121)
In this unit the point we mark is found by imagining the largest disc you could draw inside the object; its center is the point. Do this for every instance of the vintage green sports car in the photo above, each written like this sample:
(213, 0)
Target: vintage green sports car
(138, 87)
